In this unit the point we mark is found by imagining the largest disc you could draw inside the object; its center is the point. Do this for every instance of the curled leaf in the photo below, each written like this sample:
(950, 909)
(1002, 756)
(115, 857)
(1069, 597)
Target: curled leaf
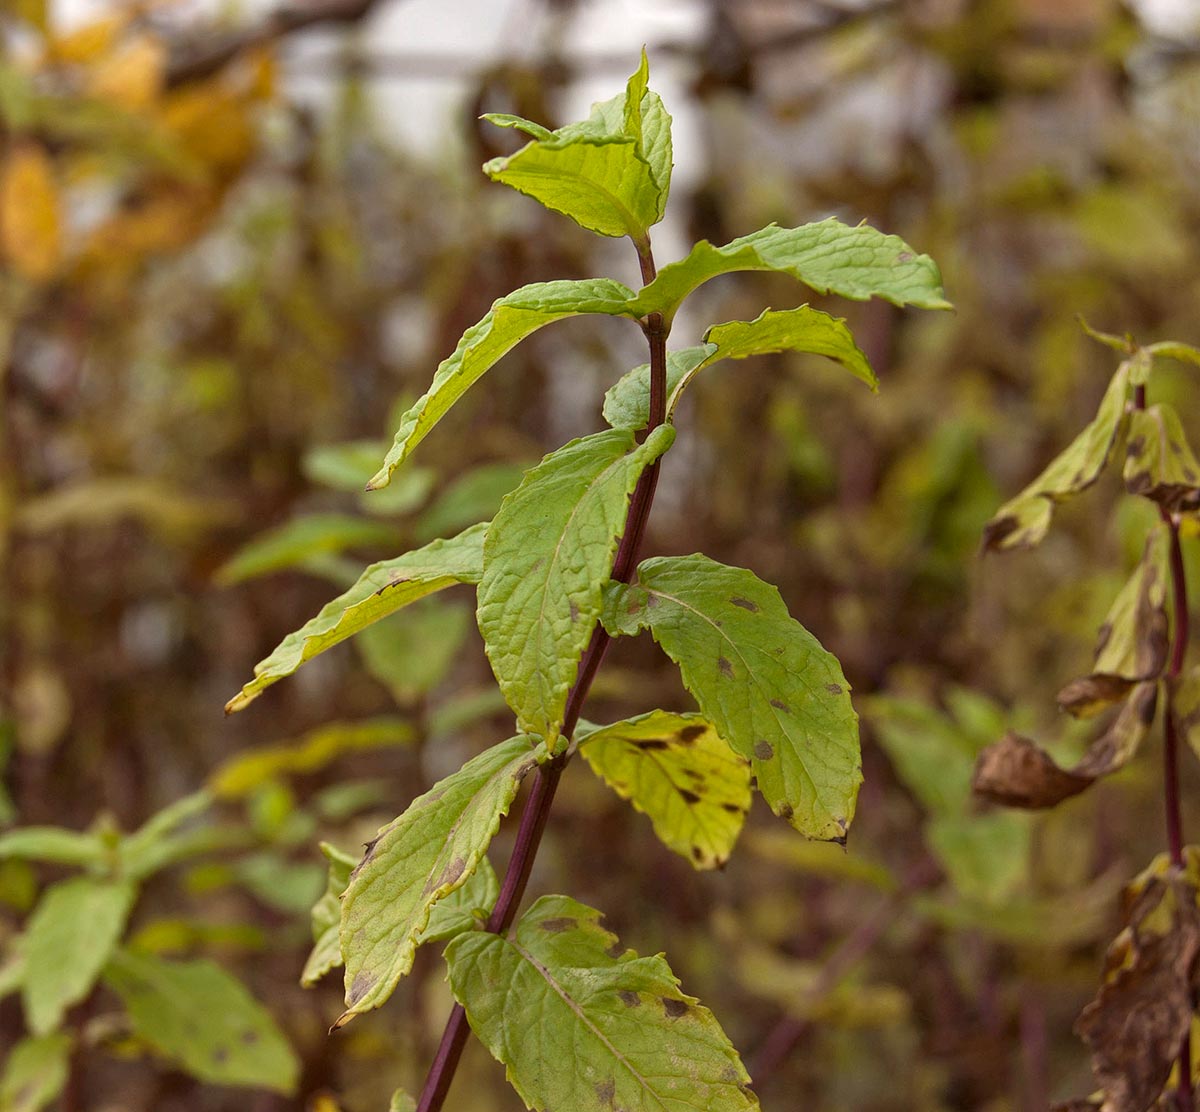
(1159, 463)
(1017, 773)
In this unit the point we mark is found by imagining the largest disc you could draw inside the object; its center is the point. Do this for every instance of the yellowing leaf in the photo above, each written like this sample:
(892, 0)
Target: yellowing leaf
(91, 41)
(676, 769)
(30, 223)
(1159, 463)
(131, 77)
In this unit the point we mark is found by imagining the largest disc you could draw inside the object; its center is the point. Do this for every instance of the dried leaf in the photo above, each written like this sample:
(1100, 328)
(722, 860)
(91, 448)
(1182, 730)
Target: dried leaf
(1017, 773)
(1137, 1023)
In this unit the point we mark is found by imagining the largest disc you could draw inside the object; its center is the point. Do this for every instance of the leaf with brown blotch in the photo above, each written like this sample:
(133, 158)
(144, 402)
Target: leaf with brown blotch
(1023, 521)
(1159, 463)
(1138, 1020)
(1017, 773)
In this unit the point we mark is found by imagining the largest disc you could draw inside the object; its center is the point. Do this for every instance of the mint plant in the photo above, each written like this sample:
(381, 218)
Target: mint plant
(76, 943)
(579, 1021)
(1139, 1025)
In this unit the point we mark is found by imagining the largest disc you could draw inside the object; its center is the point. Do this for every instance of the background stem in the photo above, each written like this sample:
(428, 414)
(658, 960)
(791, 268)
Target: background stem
(537, 806)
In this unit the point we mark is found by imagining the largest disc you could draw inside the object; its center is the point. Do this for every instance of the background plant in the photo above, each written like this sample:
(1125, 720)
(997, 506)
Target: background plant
(158, 411)
(1140, 1024)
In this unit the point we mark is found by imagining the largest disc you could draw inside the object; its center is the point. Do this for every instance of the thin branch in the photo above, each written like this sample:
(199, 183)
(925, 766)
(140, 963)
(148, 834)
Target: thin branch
(197, 58)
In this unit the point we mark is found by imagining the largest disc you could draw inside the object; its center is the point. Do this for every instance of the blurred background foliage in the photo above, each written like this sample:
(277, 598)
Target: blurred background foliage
(216, 293)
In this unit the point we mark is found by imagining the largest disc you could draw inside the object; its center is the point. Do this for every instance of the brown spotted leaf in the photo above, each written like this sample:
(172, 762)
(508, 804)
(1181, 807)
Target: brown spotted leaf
(1185, 707)
(417, 860)
(677, 769)
(546, 560)
(1022, 521)
(1017, 773)
(203, 1018)
(761, 679)
(584, 1025)
(1159, 463)
(1134, 639)
(1137, 1022)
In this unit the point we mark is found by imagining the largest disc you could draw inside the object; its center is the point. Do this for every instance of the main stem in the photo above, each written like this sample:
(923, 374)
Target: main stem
(1172, 799)
(537, 806)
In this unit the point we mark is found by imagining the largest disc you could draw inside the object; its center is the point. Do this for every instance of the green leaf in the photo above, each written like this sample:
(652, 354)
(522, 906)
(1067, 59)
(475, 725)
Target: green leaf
(610, 174)
(582, 1024)
(296, 541)
(56, 845)
(547, 557)
(383, 589)
(1023, 521)
(507, 323)
(1159, 462)
(985, 856)
(417, 860)
(676, 769)
(1169, 349)
(155, 844)
(402, 1102)
(759, 676)
(411, 653)
(197, 1014)
(69, 938)
(246, 772)
(930, 753)
(12, 964)
(466, 908)
(327, 916)
(627, 402)
(345, 466)
(35, 1073)
(472, 497)
(803, 329)
(829, 256)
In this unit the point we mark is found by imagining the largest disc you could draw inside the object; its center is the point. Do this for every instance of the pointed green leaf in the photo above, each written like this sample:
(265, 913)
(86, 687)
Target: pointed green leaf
(676, 769)
(383, 589)
(829, 256)
(417, 860)
(1022, 521)
(1124, 344)
(327, 916)
(474, 496)
(547, 557)
(1159, 463)
(508, 322)
(411, 653)
(158, 842)
(610, 174)
(803, 329)
(466, 908)
(54, 844)
(583, 1024)
(759, 676)
(1169, 349)
(986, 857)
(292, 543)
(627, 402)
(35, 1073)
(69, 938)
(197, 1014)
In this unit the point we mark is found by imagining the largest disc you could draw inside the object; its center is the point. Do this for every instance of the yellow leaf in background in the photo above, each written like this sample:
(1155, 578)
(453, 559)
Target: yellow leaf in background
(211, 122)
(32, 12)
(90, 41)
(131, 77)
(30, 225)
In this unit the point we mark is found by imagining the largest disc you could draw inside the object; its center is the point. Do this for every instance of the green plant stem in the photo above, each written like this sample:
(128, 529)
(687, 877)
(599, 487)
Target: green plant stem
(541, 797)
(1172, 800)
